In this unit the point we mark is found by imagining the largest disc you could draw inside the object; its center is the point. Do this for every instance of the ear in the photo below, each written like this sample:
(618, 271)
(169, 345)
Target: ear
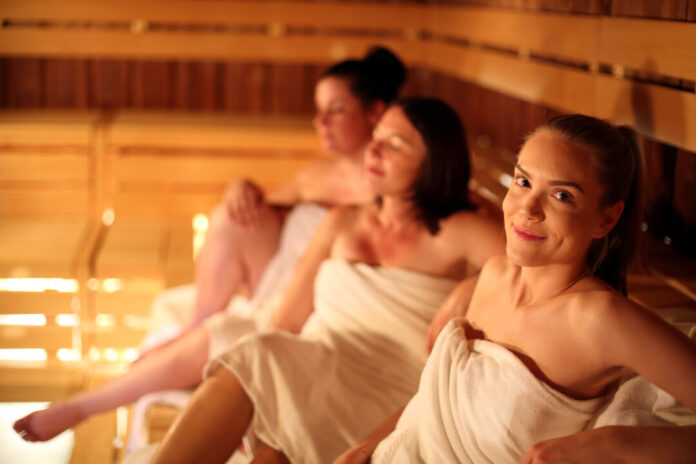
(610, 216)
(375, 112)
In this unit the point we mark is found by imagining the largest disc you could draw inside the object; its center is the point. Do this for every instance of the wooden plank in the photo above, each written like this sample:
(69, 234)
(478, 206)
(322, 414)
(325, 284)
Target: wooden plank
(661, 47)
(194, 173)
(204, 130)
(67, 130)
(123, 303)
(49, 338)
(48, 383)
(47, 204)
(665, 114)
(48, 303)
(33, 166)
(531, 81)
(324, 14)
(118, 337)
(665, 9)
(519, 30)
(94, 43)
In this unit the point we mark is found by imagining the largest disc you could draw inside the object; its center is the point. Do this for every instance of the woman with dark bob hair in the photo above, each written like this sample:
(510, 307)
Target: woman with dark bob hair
(361, 303)
(548, 331)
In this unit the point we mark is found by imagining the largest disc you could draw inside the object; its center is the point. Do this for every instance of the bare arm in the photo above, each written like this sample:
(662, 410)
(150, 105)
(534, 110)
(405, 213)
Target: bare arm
(455, 305)
(362, 452)
(643, 342)
(297, 189)
(298, 301)
(619, 445)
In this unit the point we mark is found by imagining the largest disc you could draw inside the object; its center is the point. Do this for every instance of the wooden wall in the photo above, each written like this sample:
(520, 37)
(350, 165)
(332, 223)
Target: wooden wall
(265, 88)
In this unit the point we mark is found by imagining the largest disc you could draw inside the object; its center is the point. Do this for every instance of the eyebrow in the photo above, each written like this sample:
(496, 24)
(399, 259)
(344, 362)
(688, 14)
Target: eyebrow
(565, 183)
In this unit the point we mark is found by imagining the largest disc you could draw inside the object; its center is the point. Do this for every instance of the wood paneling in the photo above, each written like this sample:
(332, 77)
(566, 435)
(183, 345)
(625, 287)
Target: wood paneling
(663, 9)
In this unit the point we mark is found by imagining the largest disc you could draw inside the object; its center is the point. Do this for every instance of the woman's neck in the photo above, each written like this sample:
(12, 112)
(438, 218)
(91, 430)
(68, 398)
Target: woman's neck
(397, 214)
(542, 283)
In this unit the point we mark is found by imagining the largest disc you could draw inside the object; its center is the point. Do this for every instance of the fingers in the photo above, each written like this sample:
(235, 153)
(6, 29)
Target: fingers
(244, 201)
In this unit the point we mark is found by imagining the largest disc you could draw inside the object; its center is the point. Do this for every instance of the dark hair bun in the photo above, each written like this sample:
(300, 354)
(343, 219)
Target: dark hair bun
(387, 72)
(377, 77)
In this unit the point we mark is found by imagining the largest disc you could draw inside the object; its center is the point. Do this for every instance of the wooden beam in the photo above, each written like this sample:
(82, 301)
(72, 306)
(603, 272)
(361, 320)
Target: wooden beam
(96, 43)
(660, 47)
(318, 15)
(571, 36)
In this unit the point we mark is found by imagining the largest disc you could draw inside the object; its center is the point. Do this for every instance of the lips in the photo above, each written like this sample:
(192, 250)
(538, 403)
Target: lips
(527, 234)
(375, 171)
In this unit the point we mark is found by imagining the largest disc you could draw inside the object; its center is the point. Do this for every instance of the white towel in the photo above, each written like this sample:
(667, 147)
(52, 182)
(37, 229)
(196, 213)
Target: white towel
(478, 403)
(242, 316)
(357, 361)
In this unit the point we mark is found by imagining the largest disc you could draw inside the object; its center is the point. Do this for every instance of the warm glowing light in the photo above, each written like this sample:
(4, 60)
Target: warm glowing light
(93, 284)
(23, 319)
(105, 320)
(68, 355)
(108, 217)
(37, 284)
(67, 320)
(505, 180)
(200, 228)
(94, 354)
(23, 354)
(200, 222)
(110, 354)
(136, 322)
(130, 354)
(111, 285)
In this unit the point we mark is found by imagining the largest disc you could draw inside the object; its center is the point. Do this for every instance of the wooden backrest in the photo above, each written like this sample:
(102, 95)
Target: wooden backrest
(574, 63)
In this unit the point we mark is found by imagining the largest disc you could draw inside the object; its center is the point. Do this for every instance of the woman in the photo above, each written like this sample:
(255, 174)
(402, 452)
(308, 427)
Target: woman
(243, 237)
(548, 330)
(390, 265)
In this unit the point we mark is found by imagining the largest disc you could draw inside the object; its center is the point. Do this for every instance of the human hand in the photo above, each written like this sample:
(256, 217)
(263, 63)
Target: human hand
(244, 201)
(603, 445)
(358, 454)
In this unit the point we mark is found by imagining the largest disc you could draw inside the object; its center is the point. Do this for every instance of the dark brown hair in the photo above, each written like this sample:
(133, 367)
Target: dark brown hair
(442, 188)
(617, 164)
(377, 77)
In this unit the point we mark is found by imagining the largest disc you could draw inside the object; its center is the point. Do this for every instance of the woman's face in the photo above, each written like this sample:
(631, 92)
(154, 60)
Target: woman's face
(394, 157)
(343, 125)
(552, 209)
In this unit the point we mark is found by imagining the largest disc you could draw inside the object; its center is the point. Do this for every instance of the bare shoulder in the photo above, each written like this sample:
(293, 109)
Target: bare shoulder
(476, 236)
(497, 269)
(340, 217)
(472, 222)
(317, 170)
(605, 313)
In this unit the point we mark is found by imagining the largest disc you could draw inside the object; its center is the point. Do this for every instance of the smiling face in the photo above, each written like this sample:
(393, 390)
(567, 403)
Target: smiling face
(552, 211)
(343, 124)
(394, 157)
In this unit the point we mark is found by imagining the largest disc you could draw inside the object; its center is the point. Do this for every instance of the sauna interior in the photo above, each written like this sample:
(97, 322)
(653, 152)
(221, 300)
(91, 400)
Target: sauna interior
(121, 122)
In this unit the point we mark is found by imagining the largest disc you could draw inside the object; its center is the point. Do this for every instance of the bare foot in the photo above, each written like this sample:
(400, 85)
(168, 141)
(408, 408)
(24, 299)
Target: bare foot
(47, 423)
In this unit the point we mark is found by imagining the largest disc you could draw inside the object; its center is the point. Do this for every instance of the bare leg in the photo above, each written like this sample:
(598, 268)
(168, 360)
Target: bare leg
(269, 455)
(176, 366)
(231, 256)
(212, 425)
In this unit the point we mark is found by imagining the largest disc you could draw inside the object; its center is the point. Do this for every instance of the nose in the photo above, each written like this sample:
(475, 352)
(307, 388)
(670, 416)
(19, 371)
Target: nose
(532, 208)
(374, 149)
(320, 119)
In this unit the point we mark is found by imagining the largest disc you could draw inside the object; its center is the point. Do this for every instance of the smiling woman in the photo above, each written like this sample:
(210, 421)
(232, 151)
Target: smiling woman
(547, 333)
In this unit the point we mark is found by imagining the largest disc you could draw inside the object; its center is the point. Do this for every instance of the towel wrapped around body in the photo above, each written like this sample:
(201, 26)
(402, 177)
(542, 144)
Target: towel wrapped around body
(241, 317)
(356, 362)
(478, 403)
